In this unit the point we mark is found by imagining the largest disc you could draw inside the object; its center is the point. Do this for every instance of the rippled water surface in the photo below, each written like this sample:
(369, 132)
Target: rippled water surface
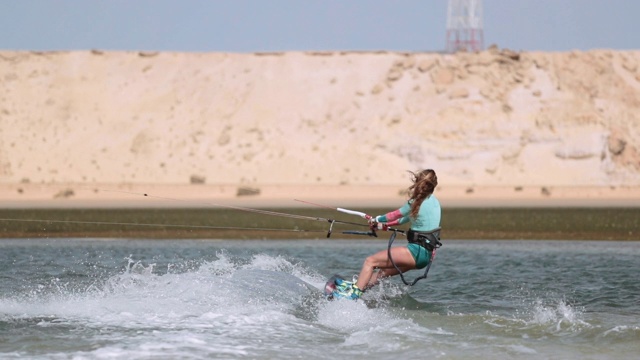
(170, 299)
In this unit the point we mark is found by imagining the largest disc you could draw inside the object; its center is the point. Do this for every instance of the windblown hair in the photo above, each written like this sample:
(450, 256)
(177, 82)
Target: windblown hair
(424, 183)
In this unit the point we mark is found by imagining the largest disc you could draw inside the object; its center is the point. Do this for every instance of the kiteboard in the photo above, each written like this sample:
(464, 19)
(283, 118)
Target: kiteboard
(330, 286)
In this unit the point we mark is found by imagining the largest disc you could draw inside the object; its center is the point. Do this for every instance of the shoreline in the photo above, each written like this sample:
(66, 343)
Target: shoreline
(25, 196)
(312, 223)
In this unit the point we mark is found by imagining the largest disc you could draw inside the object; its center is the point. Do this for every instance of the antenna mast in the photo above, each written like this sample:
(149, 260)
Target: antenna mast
(464, 26)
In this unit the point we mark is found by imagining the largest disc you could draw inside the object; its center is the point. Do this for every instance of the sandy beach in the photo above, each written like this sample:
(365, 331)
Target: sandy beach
(193, 196)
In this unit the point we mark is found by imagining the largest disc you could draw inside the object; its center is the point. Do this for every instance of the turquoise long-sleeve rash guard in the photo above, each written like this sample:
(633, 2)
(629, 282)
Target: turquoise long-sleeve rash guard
(428, 216)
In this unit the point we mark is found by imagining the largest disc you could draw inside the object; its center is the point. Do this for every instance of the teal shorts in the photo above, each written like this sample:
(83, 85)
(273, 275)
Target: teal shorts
(420, 255)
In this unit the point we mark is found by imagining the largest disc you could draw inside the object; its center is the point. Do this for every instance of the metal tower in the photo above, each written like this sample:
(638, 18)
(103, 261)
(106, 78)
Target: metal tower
(464, 26)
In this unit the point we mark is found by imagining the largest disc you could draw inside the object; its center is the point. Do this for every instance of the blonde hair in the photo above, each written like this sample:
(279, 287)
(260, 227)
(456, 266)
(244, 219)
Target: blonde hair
(424, 183)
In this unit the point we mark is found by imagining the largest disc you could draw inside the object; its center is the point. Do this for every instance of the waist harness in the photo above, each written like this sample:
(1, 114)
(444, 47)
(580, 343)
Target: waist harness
(427, 239)
(430, 240)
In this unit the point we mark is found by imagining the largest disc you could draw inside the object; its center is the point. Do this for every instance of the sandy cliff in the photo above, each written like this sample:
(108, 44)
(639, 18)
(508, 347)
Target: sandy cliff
(495, 118)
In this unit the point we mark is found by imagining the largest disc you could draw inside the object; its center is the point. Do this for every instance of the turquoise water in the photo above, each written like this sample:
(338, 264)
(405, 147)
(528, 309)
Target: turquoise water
(170, 299)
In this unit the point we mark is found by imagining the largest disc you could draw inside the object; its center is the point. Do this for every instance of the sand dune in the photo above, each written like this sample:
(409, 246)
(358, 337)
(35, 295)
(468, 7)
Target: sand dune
(196, 122)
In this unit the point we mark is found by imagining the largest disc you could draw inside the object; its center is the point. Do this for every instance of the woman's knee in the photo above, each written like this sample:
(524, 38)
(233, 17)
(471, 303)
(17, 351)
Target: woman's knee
(370, 262)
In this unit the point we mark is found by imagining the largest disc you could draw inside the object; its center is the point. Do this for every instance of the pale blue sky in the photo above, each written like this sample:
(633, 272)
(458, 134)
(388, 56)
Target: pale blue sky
(302, 25)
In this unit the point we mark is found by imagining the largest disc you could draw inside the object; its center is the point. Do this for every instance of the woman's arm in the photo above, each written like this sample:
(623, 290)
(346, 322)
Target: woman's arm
(396, 217)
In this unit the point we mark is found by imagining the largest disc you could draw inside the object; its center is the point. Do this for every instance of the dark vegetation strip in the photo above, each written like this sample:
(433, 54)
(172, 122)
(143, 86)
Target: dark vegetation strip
(457, 223)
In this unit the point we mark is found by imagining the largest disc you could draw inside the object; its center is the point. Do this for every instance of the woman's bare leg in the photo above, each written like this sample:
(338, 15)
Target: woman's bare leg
(401, 256)
(385, 273)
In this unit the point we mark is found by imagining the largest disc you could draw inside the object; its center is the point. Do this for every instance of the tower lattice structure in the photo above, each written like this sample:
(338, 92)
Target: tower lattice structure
(464, 26)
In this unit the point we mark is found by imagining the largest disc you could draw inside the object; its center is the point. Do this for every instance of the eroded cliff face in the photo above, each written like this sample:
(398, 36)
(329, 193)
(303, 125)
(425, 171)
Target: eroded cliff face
(491, 118)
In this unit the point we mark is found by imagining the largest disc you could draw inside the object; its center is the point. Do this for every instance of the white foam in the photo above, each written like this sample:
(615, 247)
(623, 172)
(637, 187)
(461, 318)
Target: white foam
(559, 314)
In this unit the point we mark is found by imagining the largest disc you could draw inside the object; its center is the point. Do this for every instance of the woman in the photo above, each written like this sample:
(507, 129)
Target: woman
(423, 212)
